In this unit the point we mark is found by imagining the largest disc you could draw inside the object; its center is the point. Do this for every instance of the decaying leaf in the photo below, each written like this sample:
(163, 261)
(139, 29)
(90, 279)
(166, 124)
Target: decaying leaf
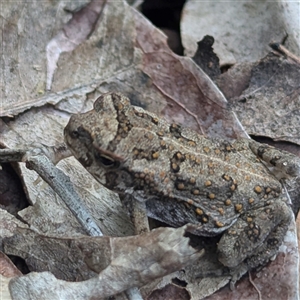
(121, 262)
(80, 26)
(242, 31)
(4, 291)
(7, 268)
(274, 89)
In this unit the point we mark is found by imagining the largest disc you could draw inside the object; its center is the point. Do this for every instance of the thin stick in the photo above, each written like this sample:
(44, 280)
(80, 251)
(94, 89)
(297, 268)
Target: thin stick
(254, 285)
(282, 50)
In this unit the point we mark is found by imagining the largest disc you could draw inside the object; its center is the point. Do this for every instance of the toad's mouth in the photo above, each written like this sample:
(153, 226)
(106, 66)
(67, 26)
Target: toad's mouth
(107, 154)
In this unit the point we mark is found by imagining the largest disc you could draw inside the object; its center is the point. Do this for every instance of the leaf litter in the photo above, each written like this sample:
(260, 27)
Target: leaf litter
(129, 55)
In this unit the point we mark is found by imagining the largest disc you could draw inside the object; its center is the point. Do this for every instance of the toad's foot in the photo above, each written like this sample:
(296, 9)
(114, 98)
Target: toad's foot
(255, 237)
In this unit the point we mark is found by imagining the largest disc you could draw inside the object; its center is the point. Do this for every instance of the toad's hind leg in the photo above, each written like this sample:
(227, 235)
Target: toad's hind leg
(254, 238)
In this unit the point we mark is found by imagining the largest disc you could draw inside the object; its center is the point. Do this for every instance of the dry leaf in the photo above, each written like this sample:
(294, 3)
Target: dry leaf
(121, 262)
(192, 98)
(7, 268)
(243, 33)
(4, 291)
(274, 89)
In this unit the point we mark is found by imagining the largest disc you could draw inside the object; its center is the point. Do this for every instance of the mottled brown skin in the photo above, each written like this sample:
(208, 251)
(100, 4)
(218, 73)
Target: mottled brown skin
(218, 186)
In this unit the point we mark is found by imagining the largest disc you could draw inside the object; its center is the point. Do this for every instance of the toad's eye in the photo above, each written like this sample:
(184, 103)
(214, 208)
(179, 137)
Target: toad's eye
(74, 134)
(107, 161)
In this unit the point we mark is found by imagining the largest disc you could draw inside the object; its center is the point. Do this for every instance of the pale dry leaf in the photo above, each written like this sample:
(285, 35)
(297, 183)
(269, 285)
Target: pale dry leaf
(72, 35)
(121, 262)
(9, 224)
(200, 279)
(242, 30)
(26, 30)
(274, 89)
(4, 291)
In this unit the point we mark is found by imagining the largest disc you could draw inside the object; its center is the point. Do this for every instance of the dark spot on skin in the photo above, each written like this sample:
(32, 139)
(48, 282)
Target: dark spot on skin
(163, 144)
(82, 135)
(272, 241)
(179, 156)
(154, 121)
(253, 232)
(180, 185)
(226, 147)
(175, 167)
(175, 130)
(274, 160)
(261, 151)
(111, 178)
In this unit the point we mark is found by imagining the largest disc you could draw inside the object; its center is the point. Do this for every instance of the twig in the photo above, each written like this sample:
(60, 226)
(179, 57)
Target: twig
(59, 182)
(282, 50)
(254, 285)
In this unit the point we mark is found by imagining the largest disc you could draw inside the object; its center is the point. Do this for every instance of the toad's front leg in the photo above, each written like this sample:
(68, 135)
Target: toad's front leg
(287, 163)
(255, 237)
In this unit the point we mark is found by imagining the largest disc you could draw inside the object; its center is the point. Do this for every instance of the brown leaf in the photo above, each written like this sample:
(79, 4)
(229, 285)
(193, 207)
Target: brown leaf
(270, 105)
(192, 98)
(7, 268)
(121, 262)
(72, 35)
(233, 82)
